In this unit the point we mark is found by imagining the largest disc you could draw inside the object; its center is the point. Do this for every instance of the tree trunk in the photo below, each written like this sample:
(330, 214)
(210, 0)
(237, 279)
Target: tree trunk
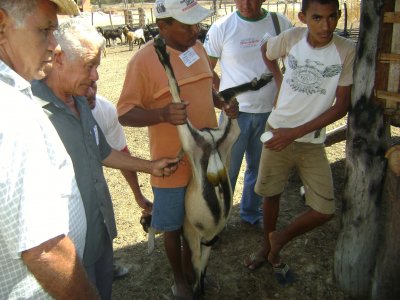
(385, 284)
(356, 249)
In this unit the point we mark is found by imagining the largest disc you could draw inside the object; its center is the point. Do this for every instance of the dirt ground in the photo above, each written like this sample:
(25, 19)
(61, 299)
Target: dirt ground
(310, 256)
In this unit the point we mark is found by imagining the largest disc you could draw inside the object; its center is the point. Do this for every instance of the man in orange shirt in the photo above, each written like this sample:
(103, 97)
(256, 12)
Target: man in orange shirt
(146, 101)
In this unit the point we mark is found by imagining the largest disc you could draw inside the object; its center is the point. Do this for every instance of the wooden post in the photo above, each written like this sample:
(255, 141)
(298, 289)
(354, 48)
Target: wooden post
(356, 249)
(142, 19)
(387, 272)
(109, 14)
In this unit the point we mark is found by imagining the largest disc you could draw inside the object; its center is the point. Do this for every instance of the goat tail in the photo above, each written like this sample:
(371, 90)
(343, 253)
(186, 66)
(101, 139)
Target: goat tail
(216, 171)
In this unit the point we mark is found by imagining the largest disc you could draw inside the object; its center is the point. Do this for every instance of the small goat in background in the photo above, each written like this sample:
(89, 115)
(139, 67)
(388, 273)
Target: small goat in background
(134, 36)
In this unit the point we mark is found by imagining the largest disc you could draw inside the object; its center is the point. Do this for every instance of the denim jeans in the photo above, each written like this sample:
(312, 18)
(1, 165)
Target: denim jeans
(101, 272)
(252, 125)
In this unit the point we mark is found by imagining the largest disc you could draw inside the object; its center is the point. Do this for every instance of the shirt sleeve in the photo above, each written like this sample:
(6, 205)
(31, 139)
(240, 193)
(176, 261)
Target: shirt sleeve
(278, 46)
(346, 76)
(104, 147)
(213, 41)
(106, 116)
(137, 88)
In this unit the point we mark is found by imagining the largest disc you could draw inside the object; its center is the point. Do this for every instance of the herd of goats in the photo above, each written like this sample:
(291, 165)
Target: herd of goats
(130, 35)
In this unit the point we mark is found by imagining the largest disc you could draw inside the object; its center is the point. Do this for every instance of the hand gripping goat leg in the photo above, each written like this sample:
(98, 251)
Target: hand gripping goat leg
(208, 199)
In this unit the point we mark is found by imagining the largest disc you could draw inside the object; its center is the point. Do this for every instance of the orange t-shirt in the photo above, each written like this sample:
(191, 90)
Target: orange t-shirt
(146, 86)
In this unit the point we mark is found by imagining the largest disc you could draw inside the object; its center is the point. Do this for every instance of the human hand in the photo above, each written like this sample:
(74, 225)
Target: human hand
(145, 204)
(282, 137)
(231, 109)
(175, 113)
(164, 166)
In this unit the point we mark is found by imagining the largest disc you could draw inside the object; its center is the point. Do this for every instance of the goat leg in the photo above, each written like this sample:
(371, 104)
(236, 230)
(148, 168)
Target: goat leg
(229, 94)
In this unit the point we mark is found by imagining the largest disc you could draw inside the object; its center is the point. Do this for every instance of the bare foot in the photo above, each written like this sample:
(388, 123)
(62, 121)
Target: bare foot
(256, 260)
(275, 241)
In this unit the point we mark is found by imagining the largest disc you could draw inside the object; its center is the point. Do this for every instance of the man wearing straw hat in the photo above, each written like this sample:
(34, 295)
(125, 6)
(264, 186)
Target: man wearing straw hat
(42, 218)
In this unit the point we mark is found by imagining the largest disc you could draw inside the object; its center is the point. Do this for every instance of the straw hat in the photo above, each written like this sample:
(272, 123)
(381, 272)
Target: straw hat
(66, 7)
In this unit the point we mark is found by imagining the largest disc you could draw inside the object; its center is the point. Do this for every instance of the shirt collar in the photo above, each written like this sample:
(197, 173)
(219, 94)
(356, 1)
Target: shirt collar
(10, 77)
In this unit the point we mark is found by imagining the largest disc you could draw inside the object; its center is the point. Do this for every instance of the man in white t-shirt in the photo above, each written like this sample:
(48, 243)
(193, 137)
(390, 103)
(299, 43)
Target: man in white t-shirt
(106, 116)
(234, 41)
(315, 92)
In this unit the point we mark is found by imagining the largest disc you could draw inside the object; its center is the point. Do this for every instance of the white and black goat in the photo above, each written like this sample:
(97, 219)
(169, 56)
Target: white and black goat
(208, 199)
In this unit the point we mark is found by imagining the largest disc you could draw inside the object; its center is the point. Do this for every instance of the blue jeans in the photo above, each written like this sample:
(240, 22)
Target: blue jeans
(101, 273)
(252, 125)
(168, 208)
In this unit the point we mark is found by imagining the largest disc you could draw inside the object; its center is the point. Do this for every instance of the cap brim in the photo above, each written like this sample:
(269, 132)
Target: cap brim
(66, 7)
(195, 16)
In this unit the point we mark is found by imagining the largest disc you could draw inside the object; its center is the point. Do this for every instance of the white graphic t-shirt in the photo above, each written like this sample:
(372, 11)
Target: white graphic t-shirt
(312, 75)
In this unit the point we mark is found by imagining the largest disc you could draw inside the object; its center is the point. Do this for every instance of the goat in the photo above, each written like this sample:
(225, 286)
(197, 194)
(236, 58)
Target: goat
(125, 29)
(111, 34)
(153, 29)
(136, 36)
(203, 29)
(208, 198)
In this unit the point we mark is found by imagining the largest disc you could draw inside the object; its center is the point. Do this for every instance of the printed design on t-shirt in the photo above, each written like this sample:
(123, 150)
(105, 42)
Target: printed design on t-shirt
(249, 42)
(309, 78)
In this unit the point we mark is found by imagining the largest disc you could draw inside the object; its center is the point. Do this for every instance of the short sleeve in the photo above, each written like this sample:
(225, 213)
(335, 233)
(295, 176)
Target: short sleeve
(137, 87)
(276, 47)
(106, 116)
(213, 41)
(279, 46)
(346, 76)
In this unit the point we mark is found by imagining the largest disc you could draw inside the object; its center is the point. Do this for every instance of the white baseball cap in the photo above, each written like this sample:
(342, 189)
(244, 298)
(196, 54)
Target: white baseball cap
(66, 7)
(185, 11)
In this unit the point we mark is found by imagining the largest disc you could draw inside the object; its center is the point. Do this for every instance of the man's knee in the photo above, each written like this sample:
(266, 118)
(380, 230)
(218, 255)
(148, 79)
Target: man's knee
(323, 218)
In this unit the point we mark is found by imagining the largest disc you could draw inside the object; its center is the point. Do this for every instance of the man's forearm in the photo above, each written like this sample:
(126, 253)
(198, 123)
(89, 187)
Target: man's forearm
(124, 161)
(56, 267)
(132, 178)
(138, 117)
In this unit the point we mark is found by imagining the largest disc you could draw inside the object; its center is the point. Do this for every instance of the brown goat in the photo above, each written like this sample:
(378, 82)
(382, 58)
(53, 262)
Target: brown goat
(134, 36)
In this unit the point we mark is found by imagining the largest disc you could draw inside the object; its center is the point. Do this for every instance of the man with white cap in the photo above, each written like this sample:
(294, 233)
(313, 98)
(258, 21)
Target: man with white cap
(42, 218)
(146, 101)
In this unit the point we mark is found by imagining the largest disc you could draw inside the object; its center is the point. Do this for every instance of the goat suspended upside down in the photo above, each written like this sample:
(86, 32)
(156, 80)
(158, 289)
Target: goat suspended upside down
(208, 198)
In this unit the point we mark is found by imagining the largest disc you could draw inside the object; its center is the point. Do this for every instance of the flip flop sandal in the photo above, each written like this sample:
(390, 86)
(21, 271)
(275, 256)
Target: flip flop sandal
(254, 260)
(283, 274)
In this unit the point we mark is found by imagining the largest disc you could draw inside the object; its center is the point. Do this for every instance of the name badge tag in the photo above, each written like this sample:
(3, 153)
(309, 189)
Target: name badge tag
(189, 57)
